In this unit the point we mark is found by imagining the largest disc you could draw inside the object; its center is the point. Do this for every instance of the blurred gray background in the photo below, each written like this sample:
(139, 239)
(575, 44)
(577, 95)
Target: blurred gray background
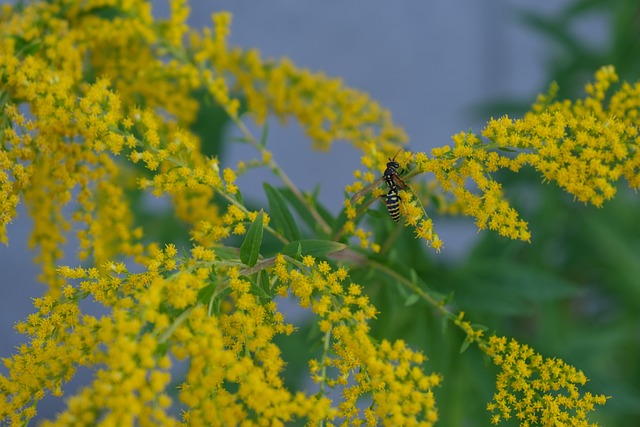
(429, 62)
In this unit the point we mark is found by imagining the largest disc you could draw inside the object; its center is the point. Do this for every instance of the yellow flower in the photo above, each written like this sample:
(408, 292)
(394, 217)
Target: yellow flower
(537, 390)
(308, 260)
(400, 389)
(111, 106)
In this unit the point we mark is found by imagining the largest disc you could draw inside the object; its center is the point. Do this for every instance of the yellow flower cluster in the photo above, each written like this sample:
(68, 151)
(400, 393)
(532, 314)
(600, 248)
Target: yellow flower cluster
(58, 151)
(235, 350)
(96, 101)
(155, 318)
(324, 107)
(584, 146)
(87, 116)
(389, 373)
(43, 365)
(537, 390)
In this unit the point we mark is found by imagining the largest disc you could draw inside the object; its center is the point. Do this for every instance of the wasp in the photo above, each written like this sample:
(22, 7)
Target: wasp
(393, 204)
(391, 177)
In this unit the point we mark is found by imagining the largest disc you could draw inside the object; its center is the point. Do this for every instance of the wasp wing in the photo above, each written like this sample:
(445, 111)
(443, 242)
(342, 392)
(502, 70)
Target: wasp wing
(398, 181)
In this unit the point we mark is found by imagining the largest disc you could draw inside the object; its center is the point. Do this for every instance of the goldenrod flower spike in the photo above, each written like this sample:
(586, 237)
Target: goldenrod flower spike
(584, 147)
(109, 91)
(537, 391)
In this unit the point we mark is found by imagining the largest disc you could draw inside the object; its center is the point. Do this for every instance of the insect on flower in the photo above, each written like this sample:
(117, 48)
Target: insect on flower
(391, 177)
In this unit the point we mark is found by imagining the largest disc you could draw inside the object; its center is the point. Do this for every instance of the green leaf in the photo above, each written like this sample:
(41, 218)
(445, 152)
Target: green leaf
(520, 280)
(298, 250)
(205, 294)
(447, 298)
(257, 290)
(413, 276)
(250, 248)
(339, 222)
(303, 211)
(241, 139)
(217, 301)
(263, 279)
(264, 135)
(619, 256)
(227, 253)
(320, 208)
(403, 291)
(281, 215)
(444, 325)
(239, 197)
(24, 47)
(210, 125)
(465, 345)
(312, 247)
(411, 300)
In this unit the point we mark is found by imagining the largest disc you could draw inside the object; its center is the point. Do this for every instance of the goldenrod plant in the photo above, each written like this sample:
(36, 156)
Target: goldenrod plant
(99, 104)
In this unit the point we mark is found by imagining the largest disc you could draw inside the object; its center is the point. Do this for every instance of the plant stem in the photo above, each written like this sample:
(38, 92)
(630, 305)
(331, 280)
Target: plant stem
(282, 175)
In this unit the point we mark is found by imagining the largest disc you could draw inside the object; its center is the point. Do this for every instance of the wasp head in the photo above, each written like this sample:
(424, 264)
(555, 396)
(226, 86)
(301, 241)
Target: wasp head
(392, 164)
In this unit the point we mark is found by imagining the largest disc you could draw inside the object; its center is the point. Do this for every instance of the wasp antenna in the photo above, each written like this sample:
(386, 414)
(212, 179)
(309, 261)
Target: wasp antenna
(395, 155)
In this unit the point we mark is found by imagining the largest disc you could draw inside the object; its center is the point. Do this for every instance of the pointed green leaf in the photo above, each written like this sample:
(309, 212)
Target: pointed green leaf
(263, 279)
(514, 280)
(250, 248)
(618, 256)
(404, 293)
(265, 134)
(411, 300)
(216, 303)
(210, 125)
(238, 197)
(227, 253)
(448, 298)
(340, 221)
(240, 139)
(258, 291)
(312, 247)
(413, 276)
(444, 325)
(205, 294)
(465, 345)
(299, 250)
(281, 215)
(25, 47)
(303, 210)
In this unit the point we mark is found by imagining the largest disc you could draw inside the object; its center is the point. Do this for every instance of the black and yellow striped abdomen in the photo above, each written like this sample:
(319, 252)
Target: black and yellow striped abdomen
(393, 204)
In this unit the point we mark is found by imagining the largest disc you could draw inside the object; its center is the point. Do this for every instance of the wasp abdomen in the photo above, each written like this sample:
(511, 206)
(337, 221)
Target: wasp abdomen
(393, 204)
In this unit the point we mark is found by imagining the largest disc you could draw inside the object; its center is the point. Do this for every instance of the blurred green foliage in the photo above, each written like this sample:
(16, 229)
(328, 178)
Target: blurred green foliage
(574, 291)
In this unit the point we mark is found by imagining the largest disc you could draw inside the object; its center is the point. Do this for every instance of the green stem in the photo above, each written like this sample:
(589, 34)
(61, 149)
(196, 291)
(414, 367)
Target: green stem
(181, 318)
(390, 240)
(264, 264)
(439, 305)
(325, 352)
(282, 175)
(426, 296)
